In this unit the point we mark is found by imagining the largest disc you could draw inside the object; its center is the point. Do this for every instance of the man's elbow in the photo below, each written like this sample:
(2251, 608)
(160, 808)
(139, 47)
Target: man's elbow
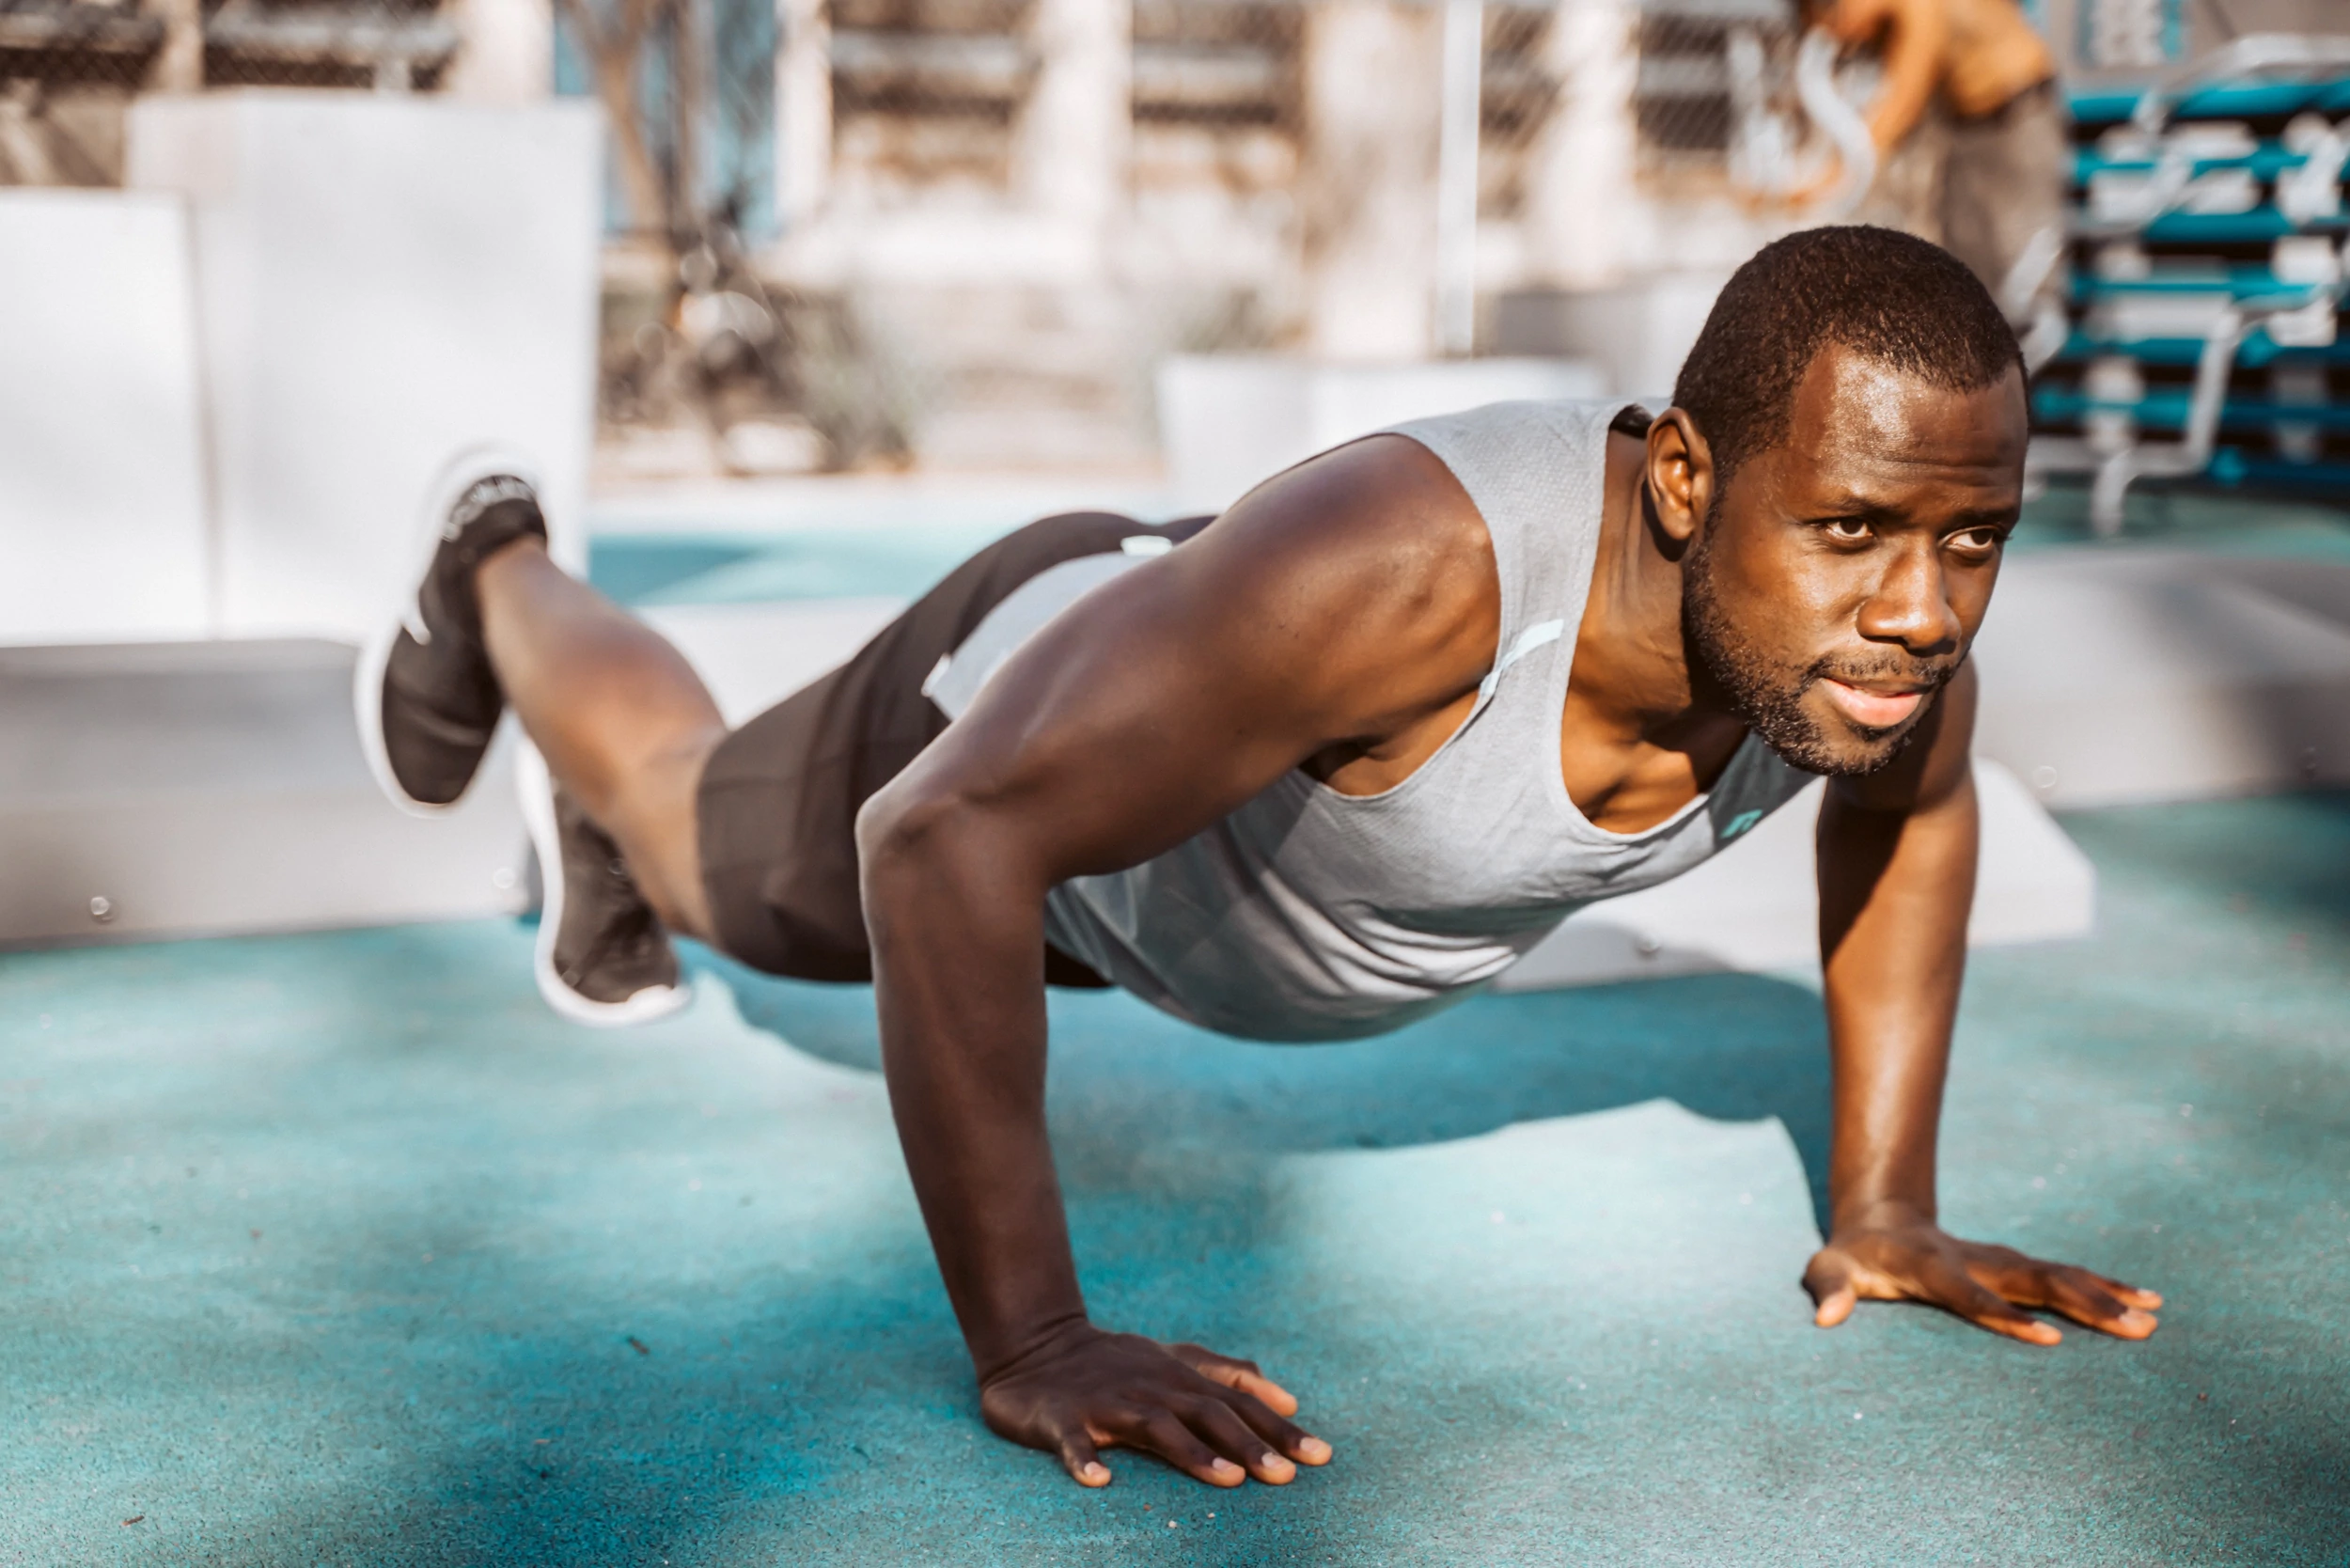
(930, 842)
(902, 825)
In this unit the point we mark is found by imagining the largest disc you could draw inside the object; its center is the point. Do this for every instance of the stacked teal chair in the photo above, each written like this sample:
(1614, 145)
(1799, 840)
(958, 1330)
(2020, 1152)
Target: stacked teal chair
(2207, 274)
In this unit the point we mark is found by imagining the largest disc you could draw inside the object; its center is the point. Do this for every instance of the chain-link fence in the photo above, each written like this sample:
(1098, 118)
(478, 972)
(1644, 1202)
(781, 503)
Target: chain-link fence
(66, 74)
(849, 231)
(1184, 146)
(69, 69)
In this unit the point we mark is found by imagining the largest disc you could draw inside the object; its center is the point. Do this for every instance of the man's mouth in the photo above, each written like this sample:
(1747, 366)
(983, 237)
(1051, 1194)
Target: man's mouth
(1869, 708)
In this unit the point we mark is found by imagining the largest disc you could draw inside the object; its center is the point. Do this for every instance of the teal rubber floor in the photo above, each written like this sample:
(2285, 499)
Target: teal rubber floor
(342, 1249)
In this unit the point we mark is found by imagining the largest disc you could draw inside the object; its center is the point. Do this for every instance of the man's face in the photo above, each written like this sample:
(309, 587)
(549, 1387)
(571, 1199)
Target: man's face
(1839, 579)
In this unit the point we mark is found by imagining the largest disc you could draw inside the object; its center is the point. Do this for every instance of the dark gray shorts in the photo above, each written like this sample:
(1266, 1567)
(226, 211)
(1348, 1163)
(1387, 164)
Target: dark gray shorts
(777, 809)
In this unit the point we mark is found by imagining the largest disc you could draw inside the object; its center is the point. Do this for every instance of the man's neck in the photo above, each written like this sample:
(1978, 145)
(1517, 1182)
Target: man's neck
(1629, 660)
(1635, 743)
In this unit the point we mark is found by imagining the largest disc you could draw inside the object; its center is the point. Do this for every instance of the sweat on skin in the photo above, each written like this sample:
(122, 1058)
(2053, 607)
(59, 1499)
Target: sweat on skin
(1783, 572)
(1340, 620)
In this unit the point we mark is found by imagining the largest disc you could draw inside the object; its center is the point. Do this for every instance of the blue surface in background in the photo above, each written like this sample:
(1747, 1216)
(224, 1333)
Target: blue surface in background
(901, 560)
(815, 563)
(342, 1249)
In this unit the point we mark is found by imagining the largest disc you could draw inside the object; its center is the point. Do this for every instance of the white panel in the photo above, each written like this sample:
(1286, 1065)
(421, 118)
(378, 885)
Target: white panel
(102, 490)
(382, 280)
(1755, 906)
(752, 656)
(1229, 422)
(216, 787)
(2111, 676)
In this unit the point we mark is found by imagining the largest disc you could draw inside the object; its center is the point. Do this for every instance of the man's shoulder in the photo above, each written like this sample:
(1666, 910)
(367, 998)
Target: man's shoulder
(1382, 503)
(1366, 567)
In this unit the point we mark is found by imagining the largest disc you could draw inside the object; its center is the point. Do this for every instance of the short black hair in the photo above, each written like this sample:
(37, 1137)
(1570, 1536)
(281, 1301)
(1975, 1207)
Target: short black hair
(1887, 295)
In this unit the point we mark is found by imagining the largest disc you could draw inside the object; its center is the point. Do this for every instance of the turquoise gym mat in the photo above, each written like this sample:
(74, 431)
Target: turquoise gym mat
(342, 1249)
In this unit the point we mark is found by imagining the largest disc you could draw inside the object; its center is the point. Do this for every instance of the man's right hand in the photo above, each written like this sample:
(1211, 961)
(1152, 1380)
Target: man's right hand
(1217, 1420)
(1353, 599)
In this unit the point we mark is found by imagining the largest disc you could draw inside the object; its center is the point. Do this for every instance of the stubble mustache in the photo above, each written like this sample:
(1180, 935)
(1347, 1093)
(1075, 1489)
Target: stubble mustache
(1927, 677)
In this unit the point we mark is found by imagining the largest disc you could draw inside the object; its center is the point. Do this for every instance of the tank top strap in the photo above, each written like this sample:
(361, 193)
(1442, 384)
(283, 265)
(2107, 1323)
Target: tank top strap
(1536, 473)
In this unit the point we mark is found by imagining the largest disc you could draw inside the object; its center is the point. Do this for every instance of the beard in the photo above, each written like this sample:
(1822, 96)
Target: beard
(1767, 695)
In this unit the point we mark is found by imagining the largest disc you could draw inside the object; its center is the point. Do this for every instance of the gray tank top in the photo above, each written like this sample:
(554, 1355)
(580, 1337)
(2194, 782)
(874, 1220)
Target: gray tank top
(1309, 915)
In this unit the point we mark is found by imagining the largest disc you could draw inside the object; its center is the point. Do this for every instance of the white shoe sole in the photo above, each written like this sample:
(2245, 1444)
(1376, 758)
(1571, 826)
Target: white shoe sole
(538, 798)
(456, 476)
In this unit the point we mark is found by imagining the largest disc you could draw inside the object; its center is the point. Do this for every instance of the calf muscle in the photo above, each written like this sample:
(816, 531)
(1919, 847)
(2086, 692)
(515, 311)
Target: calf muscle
(624, 723)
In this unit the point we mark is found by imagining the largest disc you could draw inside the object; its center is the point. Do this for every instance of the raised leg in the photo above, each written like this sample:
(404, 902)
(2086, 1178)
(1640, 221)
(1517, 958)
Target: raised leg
(622, 720)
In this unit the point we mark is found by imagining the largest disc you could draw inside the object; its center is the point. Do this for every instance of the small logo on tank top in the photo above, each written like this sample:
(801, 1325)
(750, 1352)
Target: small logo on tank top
(1739, 823)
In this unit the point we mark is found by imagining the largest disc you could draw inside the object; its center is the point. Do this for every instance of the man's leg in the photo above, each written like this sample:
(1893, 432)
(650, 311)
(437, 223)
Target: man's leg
(660, 818)
(622, 720)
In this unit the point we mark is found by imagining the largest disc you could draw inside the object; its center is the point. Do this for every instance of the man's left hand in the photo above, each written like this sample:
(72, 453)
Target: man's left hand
(1907, 1258)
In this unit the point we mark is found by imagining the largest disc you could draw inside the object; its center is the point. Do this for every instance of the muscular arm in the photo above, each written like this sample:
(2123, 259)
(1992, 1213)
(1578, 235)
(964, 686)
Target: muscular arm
(1913, 67)
(1339, 605)
(1915, 35)
(1897, 880)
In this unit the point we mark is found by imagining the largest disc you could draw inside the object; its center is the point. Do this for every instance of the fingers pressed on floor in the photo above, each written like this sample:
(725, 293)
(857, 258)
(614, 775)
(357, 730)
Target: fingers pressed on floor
(1208, 1363)
(2080, 1297)
(1829, 1278)
(1077, 1451)
(1220, 1427)
(1162, 1433)
(2137, 1295)
(1285, 1437)
(1246, 1376)
(2075, 1293)
(1836, 1306)
(1955, 1289)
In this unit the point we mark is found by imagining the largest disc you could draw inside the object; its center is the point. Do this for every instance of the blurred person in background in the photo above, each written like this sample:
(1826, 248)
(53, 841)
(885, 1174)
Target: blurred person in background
(1970, 134)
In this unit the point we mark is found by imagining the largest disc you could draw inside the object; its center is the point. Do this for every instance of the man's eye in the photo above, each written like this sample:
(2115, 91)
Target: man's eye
(1978, 541)
(1847, 530)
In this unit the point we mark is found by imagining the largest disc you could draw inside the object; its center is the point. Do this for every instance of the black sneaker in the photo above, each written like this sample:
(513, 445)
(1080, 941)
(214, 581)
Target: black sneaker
(428, 701)
(603, 955)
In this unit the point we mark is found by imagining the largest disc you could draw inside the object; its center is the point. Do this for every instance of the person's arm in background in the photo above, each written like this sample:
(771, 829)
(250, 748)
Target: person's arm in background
(1913, 64)
(1913, 34)
(1897, 880)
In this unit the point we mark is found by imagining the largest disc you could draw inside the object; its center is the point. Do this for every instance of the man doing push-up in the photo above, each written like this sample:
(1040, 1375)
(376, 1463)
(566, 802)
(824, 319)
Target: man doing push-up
(1316, 768)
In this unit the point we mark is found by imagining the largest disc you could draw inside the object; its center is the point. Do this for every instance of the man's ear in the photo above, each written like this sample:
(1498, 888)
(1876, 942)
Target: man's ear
(1679, 478)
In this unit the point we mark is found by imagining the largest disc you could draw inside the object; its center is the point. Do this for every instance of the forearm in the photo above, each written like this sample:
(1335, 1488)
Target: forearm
(1895, 890)
(958, 954)
(1913, 64)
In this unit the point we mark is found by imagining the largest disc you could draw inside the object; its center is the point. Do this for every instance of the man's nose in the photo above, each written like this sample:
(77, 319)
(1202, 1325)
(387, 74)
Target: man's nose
(1909, 604)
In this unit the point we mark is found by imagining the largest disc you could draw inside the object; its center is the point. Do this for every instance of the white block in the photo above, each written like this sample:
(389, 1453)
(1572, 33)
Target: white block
(1638, 332)
(752, 656)
(217, 787)
(1227, 423)
(1756, 906)
(2111, 677)
(380, 280)
(102, 480)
